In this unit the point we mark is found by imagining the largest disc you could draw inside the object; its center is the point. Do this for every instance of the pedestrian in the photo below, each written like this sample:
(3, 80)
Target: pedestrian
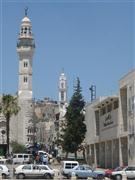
(45, 159)
(37, 159)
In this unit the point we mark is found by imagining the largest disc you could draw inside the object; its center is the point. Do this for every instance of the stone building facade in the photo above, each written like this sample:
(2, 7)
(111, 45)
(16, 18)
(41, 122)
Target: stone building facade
(45, 114)
(110, 127)
(25, 50)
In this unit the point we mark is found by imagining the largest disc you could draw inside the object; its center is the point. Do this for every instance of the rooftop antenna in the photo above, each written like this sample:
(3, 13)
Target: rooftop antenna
(93, 92)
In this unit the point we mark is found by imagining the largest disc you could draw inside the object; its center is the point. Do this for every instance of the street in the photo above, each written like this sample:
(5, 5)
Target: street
(55, 165)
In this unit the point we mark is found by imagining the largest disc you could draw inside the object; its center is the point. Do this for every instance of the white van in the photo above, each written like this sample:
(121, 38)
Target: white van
(21, 158)
(67, 166)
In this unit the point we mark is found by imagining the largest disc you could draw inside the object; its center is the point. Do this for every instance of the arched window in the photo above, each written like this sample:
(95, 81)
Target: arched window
(25, 31)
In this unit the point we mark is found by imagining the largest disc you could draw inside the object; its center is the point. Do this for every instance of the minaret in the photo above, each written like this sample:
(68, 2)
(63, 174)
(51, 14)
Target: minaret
(25, 49)
(62, 89)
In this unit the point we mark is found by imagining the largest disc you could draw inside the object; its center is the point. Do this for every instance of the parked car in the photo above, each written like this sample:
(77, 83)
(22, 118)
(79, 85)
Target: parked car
(128, 171)
(21, 158)
(108, 172)
(33, 171)
(3, 161)
(67, 166)
(4, 171)
(85, 171)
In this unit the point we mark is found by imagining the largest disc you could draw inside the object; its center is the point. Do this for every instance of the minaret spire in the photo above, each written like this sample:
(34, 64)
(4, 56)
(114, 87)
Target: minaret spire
(26, 11)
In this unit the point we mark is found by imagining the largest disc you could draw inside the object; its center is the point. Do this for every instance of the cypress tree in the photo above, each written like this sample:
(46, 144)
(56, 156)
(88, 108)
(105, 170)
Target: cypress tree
(75, 129)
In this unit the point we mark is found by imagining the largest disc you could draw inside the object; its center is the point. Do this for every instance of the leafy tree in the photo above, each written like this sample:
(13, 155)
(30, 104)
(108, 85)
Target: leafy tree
(18, 148)
(9, 106)
(75, 129)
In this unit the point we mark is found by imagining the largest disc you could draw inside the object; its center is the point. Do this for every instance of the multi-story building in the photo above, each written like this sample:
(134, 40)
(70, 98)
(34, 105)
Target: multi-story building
(110, 137)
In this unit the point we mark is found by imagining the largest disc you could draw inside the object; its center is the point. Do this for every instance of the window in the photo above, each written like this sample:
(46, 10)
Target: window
(25, 64)
(131, 168)
(109, 107)
(62, 96)
(43, 167)
(25, 156)
(103, 111)
(88, 168)
(35, 167)
(74, 164)
(25, 79)
(25, 31)
(81, 168)
(27, 167)
(116, 104)
(20, 156)
(21, 30)
(68, 166)
(97, 122)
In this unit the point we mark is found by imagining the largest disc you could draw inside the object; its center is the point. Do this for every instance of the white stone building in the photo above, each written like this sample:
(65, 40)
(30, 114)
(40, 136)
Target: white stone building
(110, 137)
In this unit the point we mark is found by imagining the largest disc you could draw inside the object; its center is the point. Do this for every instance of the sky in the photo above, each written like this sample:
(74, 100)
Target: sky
(92, 40)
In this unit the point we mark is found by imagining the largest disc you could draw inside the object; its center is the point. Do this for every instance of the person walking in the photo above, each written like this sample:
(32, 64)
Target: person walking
(45, 159)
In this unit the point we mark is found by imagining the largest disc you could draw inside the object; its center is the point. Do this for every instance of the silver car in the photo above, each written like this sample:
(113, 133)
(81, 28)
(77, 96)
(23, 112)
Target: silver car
(128, 171)
(4, 171)
(33, 171)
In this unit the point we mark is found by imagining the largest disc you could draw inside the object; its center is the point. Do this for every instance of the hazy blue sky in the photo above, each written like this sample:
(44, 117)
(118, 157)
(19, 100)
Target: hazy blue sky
(93, 40)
